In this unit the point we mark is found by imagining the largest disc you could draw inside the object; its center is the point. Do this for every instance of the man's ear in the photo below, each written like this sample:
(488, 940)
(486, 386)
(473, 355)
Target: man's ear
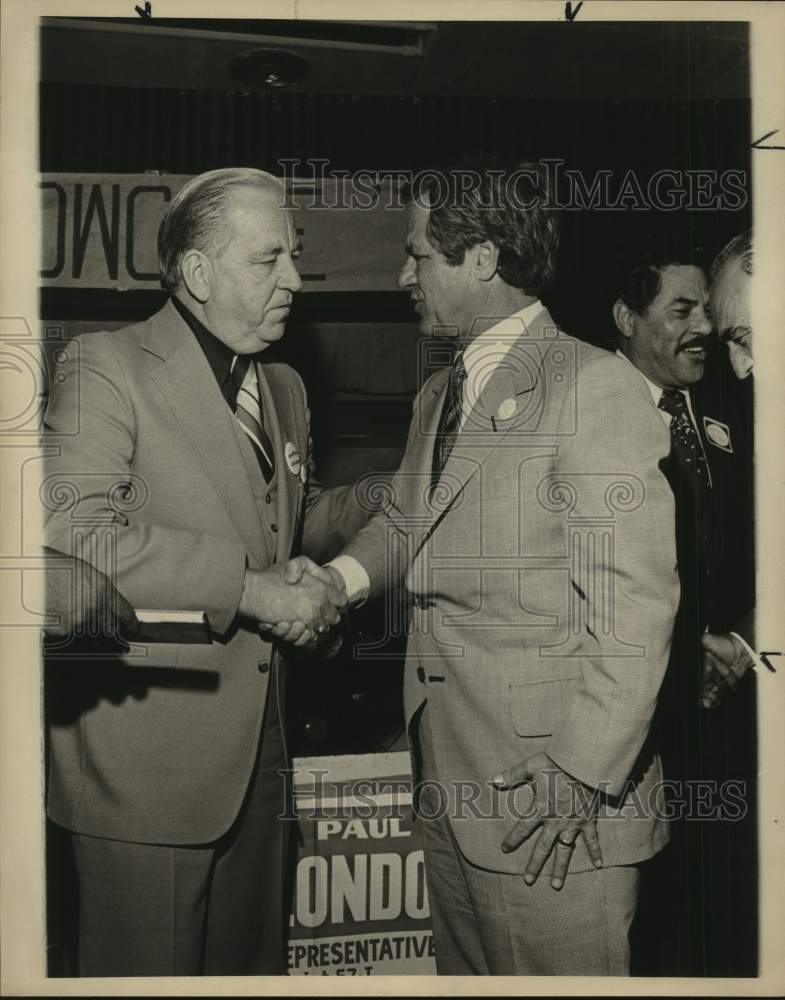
(196, 270)
(486, 260)
(622, 317)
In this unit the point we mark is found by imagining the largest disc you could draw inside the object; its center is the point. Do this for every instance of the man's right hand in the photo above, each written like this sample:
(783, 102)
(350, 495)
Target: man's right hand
(564, 808)
(297, 591)
(297, 633)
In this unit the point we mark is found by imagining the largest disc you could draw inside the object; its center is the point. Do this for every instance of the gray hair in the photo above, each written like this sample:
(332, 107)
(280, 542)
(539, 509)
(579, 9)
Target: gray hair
(196, 217)
(738, 249)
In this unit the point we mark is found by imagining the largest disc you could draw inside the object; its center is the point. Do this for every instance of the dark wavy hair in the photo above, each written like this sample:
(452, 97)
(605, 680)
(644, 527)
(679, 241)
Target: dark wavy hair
(639, 273)
(507, 204)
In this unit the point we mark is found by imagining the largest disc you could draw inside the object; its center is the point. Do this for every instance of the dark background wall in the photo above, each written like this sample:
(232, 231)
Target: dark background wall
(123, 129)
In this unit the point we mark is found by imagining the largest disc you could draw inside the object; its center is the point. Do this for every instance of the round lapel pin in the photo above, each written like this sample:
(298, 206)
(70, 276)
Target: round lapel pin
(507, 409)
(292, 456)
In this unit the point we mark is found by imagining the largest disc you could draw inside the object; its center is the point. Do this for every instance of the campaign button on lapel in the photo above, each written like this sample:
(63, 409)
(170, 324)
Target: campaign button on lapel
(717, 433)
(507, 409)
(292, 456)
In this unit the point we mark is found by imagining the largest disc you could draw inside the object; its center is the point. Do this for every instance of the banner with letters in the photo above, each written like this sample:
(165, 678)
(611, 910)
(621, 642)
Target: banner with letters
(100, 230)
(360, 905)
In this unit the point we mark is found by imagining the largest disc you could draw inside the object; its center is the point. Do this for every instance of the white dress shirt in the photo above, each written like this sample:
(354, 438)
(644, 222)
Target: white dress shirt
(488, 350)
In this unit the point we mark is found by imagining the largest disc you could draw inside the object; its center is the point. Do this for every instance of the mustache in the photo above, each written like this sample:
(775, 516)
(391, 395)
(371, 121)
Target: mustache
(695, 342)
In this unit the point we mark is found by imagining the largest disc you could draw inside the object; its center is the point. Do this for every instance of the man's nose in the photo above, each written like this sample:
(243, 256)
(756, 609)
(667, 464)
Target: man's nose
(704, 325)
(406, 276)
(290, 277)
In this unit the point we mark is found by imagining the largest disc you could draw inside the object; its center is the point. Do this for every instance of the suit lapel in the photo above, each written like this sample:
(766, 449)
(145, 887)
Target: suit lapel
(513, 398)
(186, 381)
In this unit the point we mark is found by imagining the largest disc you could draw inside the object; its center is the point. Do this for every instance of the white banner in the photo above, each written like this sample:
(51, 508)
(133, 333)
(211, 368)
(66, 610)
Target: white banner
(100, 231)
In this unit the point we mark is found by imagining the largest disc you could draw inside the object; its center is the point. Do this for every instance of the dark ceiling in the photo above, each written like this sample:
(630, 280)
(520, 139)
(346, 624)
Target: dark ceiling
(539, 60)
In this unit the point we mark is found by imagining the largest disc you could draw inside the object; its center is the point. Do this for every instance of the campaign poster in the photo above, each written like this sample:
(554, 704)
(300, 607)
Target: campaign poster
(360, 905)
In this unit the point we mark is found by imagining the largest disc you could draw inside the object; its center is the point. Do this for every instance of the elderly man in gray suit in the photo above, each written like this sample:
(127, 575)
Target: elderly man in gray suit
(534, 529)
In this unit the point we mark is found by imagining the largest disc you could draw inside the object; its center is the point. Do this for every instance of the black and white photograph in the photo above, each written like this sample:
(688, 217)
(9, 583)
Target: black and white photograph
(392, 498)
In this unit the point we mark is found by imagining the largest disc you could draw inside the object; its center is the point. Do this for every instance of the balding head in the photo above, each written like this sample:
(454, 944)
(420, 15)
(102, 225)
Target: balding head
(228, 247)
(197, 216)
(731, 273)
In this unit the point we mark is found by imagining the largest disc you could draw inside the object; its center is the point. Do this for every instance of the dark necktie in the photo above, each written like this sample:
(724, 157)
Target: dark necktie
(679, 725)
(450, 420)
(249, 413)
(686, 446)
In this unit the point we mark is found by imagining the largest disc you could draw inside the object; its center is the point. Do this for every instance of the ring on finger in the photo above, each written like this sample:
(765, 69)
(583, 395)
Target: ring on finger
(322, 629)
(566, 843)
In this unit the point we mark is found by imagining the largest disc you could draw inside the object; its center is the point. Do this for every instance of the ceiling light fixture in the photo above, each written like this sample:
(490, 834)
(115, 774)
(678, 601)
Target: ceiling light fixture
(265, 69)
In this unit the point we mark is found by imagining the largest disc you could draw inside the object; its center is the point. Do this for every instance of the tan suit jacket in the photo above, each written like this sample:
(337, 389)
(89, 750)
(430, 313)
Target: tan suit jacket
(544, 588)
(157, 746)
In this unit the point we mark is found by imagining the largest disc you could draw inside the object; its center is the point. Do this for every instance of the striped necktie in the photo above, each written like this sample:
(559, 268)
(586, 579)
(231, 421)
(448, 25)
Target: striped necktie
(249, 413)
(450, 420)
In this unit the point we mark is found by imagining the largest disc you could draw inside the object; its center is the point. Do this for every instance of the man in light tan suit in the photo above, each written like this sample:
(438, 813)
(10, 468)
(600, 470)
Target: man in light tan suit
(187, 482)
(535, 532)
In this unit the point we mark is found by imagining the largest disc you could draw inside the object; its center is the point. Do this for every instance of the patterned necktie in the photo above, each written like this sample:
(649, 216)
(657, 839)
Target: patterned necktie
(686, 446)
(249, 413)
(450, 420)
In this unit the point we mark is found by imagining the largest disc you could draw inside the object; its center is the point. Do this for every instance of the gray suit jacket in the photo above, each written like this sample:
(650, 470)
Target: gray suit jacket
(145, 462)
(544, 588)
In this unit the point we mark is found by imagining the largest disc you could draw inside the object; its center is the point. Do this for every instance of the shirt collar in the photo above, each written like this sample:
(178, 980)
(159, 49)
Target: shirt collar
(219, 356)
(655, 390)
(500, 338)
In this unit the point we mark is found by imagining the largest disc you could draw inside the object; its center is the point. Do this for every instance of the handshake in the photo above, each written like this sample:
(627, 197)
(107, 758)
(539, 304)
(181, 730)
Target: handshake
(296, 602)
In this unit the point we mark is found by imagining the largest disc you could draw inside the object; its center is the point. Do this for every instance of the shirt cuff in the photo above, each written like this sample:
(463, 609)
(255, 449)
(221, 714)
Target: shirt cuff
(355, 577)
(759, 664)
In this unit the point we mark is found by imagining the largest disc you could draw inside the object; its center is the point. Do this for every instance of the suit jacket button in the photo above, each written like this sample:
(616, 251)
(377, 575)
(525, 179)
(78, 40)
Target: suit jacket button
(421, 675)
(268, 499)
(274, 528)
(263, 666)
